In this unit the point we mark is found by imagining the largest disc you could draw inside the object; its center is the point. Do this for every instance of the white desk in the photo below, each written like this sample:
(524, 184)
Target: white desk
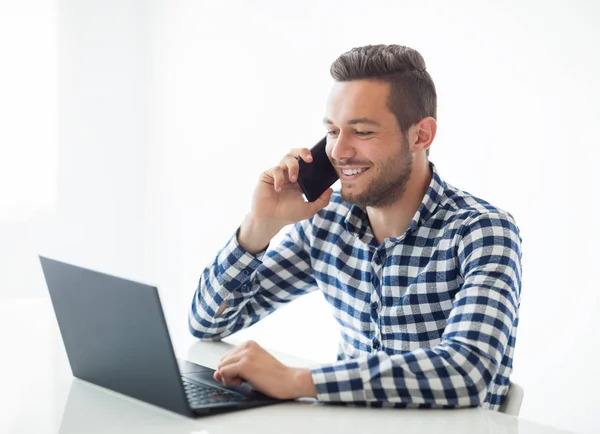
(39, 395)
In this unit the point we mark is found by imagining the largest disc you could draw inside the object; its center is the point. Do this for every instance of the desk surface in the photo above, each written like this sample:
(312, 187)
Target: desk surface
(39, 395)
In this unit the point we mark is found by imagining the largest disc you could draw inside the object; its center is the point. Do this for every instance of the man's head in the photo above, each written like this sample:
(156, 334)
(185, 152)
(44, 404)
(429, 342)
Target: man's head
(380, 116)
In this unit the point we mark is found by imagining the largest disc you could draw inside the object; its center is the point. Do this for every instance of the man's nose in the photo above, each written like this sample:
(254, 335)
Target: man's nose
(342, 148)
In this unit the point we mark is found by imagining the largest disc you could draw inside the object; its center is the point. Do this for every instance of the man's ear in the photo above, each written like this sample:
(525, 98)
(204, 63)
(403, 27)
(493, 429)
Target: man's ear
(424, 133)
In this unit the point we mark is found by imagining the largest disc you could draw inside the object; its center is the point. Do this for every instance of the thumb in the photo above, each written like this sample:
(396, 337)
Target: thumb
(321, 202)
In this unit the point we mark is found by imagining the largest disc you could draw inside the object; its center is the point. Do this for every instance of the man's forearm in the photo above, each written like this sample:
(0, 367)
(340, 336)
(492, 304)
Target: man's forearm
(254, 236)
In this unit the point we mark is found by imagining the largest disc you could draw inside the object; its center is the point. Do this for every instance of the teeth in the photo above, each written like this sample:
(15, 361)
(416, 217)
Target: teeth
(352, 171)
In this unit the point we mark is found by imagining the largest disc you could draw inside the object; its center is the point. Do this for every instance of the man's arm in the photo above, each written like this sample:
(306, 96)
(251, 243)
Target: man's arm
(459, 370)
(456, 373)
(240, 288)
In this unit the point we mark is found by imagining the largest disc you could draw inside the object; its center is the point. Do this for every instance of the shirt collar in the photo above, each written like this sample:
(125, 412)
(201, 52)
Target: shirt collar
(357, 220)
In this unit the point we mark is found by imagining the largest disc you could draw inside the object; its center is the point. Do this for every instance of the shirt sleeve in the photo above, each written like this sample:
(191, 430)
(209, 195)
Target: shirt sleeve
(458, 371)
(253, 285)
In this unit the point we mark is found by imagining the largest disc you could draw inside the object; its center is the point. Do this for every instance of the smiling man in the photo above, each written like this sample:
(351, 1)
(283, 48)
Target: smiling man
(424, 279)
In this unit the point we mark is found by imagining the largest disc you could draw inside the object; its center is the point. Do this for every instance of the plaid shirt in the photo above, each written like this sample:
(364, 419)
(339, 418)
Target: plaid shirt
(427, 319)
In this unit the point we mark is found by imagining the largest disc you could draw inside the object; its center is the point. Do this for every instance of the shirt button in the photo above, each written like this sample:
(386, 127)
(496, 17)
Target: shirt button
(376, 344)
(374, 305)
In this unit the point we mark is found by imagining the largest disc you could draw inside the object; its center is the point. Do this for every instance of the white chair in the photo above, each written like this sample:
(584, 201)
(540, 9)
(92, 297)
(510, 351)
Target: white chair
(513, 400)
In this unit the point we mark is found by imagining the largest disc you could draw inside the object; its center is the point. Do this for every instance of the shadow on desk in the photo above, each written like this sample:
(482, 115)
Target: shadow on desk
(92, 409)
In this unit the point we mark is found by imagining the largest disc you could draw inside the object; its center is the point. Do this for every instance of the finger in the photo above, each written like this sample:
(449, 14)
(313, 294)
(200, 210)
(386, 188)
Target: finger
(292, 167)
(303, 153)
(232, 351)
(321, 202)
(278, 178)
(231, 375)
(229, 359)
(237, 353)
(232, 383)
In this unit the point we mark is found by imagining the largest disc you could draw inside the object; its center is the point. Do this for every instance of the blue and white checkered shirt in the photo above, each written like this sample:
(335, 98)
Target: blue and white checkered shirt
(427, 319)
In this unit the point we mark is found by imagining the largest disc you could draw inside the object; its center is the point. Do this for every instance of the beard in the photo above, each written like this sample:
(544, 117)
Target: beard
(388, 183)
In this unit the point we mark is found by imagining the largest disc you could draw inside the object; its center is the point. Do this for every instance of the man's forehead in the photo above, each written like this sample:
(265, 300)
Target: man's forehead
(359, 101)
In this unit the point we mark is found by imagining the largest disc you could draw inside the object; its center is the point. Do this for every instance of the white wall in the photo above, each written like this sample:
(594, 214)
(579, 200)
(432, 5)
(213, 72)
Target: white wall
(169, 110)
(28, 138)
(92, 210)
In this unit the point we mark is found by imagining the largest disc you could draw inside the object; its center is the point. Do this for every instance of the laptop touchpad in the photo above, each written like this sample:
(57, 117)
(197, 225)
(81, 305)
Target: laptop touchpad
(186, 367)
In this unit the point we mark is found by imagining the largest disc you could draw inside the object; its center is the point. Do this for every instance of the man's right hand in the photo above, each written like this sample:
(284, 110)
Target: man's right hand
(277, 201)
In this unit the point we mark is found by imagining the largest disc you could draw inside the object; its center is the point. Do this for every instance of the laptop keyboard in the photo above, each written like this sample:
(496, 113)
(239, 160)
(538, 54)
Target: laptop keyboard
(199, 394)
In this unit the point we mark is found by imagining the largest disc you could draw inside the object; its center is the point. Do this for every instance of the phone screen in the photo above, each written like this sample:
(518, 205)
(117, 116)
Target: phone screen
(317, 176)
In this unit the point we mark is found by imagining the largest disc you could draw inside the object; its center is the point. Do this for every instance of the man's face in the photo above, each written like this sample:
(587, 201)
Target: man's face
(365, 144)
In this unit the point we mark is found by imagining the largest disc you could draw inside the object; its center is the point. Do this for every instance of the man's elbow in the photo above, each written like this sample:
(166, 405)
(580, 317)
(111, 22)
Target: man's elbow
(203, 332)
(474, 375)
(482, 392)
(478, 385)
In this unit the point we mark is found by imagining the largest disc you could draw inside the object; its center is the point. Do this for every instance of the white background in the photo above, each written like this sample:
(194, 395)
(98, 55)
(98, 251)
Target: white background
(167, 111)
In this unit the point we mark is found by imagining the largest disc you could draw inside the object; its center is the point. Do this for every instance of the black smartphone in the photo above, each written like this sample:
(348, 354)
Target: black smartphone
(318, 175)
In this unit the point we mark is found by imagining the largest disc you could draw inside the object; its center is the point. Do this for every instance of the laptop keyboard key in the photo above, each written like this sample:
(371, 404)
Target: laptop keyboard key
(199, 394)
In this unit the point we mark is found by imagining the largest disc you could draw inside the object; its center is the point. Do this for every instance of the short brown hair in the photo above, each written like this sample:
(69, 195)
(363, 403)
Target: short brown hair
(412, 92)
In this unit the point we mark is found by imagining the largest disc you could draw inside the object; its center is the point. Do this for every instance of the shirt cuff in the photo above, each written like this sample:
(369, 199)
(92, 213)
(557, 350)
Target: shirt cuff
(339, 382)
(236, 263)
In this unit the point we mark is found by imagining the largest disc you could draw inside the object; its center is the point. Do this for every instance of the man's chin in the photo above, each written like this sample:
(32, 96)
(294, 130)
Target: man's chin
(353, 198)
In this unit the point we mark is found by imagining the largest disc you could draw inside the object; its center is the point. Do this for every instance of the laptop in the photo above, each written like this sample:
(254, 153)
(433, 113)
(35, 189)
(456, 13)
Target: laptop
(116, 336)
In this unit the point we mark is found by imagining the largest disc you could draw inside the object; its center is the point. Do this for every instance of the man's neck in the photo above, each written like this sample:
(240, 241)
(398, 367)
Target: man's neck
(393, 220)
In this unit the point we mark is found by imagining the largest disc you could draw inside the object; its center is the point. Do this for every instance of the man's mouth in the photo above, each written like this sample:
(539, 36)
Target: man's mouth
(350, 174)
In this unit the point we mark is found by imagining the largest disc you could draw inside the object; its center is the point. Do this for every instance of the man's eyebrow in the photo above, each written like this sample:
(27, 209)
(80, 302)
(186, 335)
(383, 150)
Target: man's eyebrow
(355, 121)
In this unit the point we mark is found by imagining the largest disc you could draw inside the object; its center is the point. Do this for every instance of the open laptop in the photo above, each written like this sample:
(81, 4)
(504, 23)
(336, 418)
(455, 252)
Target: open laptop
(116, 336)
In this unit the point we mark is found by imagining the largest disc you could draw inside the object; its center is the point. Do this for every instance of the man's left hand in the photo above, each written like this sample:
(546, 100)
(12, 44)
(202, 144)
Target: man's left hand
(251, 363)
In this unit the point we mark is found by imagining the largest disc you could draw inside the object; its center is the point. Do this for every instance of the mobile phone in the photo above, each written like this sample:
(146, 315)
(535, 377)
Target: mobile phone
(318, 175)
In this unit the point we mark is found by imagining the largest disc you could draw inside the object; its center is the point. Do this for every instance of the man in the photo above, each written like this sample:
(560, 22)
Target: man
(424, 278)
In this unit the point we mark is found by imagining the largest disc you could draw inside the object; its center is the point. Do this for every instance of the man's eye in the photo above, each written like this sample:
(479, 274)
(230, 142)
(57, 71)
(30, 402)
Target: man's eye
(364, 133)
(332, 132)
